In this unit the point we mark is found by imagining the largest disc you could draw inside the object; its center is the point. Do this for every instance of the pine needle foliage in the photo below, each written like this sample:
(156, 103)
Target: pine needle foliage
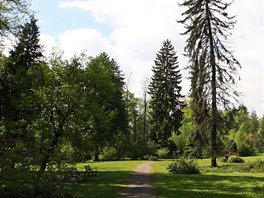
(164, 90)
(212, 66)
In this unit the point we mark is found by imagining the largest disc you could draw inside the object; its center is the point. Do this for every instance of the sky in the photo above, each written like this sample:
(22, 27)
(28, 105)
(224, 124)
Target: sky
(132, 32)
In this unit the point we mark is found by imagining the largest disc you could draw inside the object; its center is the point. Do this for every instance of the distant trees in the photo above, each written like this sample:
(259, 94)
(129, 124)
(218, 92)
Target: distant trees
(244, 132)
(212, 66)
(56, 111)
(109, 116)
(260, 135)
(165, 97)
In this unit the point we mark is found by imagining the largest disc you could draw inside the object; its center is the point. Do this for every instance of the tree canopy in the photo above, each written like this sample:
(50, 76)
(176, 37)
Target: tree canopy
(166, 99)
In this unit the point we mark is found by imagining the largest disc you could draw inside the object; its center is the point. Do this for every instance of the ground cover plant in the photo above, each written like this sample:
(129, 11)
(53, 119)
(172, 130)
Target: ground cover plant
(228, 180)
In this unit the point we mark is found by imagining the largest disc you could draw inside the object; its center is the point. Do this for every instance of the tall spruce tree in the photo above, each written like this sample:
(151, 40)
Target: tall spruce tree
(27, 54)
(28, 51)
(165, 102)
(18, 104)
(212, 66)
(121, 120)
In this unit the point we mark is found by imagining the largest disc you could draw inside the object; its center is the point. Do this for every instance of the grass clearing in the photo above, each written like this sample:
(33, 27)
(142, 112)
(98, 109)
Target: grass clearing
(111, 176)
(212, 182)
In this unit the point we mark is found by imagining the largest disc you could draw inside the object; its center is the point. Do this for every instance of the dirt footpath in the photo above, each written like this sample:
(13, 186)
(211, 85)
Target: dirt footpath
(140, 184)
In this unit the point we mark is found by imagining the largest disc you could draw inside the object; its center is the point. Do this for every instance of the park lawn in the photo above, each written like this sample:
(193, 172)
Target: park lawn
(212, 182)
(112, 175)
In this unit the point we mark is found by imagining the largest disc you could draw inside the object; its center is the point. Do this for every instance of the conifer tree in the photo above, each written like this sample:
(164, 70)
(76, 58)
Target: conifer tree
(212, 66)
(28, 52)
(121, 120)
(18, 103)
(165, 102)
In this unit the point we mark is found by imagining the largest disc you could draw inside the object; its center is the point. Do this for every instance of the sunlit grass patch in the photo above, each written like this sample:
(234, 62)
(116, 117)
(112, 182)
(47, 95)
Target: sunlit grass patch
(111, 176)
(223, 181)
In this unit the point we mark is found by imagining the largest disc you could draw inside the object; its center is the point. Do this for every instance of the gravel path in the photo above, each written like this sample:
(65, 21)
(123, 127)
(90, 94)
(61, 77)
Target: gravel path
(140, 183)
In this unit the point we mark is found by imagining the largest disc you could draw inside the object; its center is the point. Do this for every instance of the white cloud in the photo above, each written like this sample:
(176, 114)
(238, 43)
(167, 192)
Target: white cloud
(48, 42)
(7, 43)
(78, 40)
(140, 26)
(249, 50)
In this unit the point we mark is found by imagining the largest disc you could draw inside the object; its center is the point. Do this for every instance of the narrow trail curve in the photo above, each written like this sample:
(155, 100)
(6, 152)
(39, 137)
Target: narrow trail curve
(140, 183)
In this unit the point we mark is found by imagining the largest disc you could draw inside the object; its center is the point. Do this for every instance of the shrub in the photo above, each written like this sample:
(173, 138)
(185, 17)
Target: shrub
(235, 159)
(140, 149)
(151, 157)
(245, 150)
(109, 153)
(184, 166)
(163, 153)
(188, 152)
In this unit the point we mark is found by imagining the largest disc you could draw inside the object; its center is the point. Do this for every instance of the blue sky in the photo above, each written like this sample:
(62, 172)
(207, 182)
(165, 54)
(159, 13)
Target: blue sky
(132, 31)
(53, 20)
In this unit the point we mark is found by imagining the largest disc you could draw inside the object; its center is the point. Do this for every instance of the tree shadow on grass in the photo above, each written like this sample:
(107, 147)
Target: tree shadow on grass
(139, 185)
(106, 184)
(169, 185)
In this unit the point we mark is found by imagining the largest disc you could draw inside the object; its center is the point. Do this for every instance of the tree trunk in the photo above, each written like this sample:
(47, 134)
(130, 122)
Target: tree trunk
(213, 87)
(53, 144)
(44, 163)
(145, 117)
(96, 155)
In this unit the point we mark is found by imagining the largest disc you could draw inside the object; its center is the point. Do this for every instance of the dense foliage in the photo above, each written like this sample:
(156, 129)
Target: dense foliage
(55, 112)
(58, 111)
(165, 97)
(184, 166)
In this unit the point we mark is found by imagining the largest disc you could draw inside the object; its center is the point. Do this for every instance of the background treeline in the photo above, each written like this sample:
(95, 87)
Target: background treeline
(57, 111)
(62, 111)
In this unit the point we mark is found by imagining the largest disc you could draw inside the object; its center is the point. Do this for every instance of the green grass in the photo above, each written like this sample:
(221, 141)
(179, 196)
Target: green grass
(223, 181)
(111, 176)
(212, 182)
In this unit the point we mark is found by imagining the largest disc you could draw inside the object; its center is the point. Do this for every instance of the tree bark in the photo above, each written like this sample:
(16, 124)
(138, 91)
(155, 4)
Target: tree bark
(46, 158)
(213, 86)
(58, 133)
